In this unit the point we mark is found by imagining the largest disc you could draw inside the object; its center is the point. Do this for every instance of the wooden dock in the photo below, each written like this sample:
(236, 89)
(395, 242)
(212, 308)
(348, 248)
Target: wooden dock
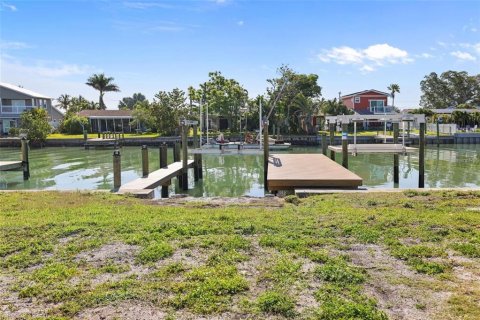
(291, 171)
(11, 165)
(375, 148)
(144, 186)
(101, 143)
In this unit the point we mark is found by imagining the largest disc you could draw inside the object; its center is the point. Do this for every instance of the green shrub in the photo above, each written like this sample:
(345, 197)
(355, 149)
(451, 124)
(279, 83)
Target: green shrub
(74, 124)
(292, 199)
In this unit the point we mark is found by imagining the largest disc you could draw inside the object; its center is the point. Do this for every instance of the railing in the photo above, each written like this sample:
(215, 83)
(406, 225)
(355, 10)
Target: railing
(14, 109)
(382, 110)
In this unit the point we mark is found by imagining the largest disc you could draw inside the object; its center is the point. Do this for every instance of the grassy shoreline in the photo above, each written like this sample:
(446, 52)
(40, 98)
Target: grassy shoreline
(369, 256)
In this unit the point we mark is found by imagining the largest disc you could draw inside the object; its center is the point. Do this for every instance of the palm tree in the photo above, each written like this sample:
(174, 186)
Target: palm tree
(64, 101)
(102, 84)
(394, 88)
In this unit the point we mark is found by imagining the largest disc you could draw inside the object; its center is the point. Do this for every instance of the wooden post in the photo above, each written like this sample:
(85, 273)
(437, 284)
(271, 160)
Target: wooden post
(324, 143)
(421, 157)
(332, 139)
(98, 135)
(176, 152)
(438, 134)
(144, 161)
(345, 145)
(265, 154)
(85, 135)
(196, 169)
(164, 164)
(25, 163)
(408, 129)
(396, 176)
(117, 176)
(184, 157)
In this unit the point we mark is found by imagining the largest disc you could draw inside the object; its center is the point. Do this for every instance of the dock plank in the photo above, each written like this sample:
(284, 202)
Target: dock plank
(156, 178)
(291, 171)
(375, 148)
(10, 165)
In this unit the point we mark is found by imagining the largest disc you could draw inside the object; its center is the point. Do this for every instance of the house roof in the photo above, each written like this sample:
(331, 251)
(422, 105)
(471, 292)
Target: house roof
(365, 91)
(125, 114)
(24, 91)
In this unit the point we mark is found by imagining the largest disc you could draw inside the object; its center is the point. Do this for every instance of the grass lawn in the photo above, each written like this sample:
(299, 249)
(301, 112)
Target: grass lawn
(95, 136)
(410, 255)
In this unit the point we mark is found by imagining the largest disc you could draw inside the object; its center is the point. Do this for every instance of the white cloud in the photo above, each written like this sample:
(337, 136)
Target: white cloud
(473, 29)
(240, 23)
(367, 68)
(6, 6)
(50, 69)
(425, 55)
(14, 45)
(379, 54)
(461, 55)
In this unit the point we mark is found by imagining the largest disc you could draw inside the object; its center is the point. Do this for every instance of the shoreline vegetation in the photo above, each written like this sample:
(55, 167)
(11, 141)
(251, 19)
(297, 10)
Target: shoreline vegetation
(88, 255)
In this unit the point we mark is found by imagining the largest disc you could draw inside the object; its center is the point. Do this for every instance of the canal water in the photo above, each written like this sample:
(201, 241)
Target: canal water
(233, 175)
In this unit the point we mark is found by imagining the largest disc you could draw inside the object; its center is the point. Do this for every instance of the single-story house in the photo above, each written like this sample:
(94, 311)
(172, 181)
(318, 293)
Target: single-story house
(14, 100)
(109, 120)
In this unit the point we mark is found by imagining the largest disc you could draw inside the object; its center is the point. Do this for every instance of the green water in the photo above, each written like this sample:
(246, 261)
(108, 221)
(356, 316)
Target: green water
(232, 175)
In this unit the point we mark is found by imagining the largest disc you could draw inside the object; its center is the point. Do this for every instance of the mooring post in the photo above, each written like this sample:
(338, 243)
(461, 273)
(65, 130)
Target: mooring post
(85, 135)
(144, 161)
(345, 145)
(438, 133)
(396, 176)
(184, 157)
(164, 164)
(98, 134)
(117, 171)
(324, 143)
(25, 163)
(331, 127)
(265, 154)
(421, 157)
(176, 152)
(196, 174)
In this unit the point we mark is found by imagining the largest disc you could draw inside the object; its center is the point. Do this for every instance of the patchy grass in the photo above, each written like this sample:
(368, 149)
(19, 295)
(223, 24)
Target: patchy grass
(64, 255)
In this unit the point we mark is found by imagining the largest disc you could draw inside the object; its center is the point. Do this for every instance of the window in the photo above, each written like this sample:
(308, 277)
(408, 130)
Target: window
(357, 99)
(377, 106)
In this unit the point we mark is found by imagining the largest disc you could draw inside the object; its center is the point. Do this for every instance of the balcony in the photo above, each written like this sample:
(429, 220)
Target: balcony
(14, 110)
(382, 110)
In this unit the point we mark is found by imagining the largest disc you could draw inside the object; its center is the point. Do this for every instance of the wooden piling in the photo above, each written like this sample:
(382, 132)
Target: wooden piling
(324, 143)
(176, 152)
(345, 145)
(421, 157)
(164, 164)
(184, 157)
(438, 134)
(117, 176)
(331, 127)
(196, 169)
(85, 135)
(25, 163)
(396, 175)
(145, 161)
(265, 154)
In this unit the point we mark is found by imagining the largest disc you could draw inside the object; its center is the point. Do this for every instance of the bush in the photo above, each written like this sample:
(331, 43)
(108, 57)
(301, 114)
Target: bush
(36, 122)
(14, 132)
(74, 125)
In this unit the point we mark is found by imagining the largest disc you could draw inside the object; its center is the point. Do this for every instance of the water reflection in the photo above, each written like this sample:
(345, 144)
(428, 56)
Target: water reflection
(232, 175)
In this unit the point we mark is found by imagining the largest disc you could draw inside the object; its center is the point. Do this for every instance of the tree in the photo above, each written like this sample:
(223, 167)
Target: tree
(452, 88)
(305, 110)
(74, 124)
(394, 88)
(334, 108)
(283, 92)
(102, 84)
(64, 101)
(130, 102)
(461, 118)
(35, 121)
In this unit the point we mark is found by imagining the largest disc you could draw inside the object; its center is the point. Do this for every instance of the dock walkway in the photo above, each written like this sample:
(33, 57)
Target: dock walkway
(154, 179)
(11, 165)
(291, 171)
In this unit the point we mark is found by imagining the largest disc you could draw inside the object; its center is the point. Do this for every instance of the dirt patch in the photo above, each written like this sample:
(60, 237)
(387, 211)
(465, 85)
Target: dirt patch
(117, 252)
(129, 310)
(306, 296)
(400, 292)
(266, 202)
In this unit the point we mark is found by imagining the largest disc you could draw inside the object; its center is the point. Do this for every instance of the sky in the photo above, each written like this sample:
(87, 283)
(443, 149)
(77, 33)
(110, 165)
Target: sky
(52, 47)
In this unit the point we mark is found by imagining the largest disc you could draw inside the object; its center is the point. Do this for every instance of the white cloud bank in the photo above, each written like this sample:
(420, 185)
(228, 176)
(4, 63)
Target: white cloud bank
(5, 6)
(463, 55)
(368, 58)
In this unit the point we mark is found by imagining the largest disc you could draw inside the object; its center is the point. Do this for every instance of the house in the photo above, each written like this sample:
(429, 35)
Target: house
(14, 100)
(108, 120)
(368, 102)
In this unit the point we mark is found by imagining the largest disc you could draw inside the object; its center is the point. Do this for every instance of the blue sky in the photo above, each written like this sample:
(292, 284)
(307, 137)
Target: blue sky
(52, 47)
